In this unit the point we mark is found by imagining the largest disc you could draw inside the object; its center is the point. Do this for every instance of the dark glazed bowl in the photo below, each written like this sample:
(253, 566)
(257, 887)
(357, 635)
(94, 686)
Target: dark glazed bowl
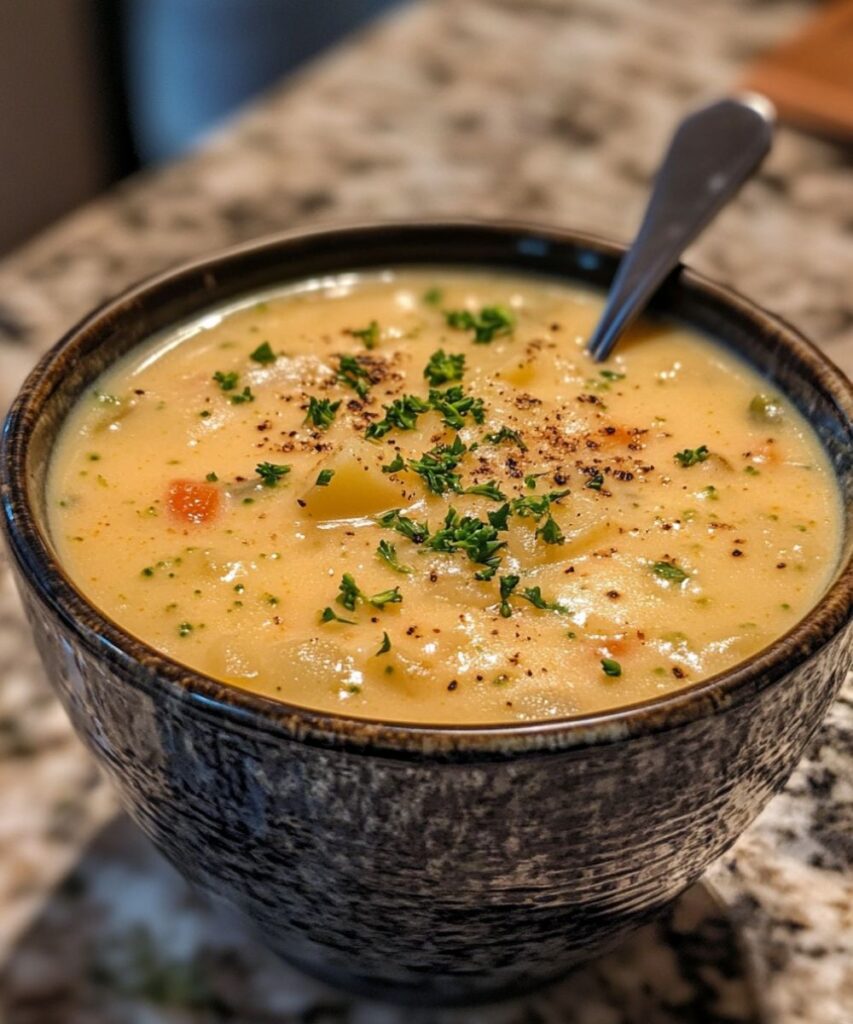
(425, 864)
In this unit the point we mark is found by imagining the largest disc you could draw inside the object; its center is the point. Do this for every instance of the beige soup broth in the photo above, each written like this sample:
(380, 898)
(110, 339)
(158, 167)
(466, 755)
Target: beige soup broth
(411, 496)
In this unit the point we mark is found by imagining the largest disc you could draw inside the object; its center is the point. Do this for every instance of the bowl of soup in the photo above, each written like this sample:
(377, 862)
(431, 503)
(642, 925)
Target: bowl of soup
(444, 654)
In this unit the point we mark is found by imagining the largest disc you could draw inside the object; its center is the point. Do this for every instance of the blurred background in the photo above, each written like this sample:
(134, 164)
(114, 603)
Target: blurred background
(92, 90)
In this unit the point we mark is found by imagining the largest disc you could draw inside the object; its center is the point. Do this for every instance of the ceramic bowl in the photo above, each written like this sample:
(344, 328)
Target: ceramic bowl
(433, 864)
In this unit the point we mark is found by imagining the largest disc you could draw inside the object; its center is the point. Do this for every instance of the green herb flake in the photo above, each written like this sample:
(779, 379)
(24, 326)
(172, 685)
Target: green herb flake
(595, 482)
(611, 668)
(226, 381)
(402, 413)
(499, 518)
(433, 296)
(535, 506)
(437, 467)
(506, 434)
(395, 465)
(271, 472)
(692, 456)
(551, 532)
(353, 375)
(443, 368)
(454, 405)
(185, 628)
(348, 592)
(388, 553)
(211, 478)
(330, 615)
(751, 471)
(369, 335)
(321, 412)
(490, 323)
(669, 571)
(263, 354)
(534, 596)
(392, 596)
(611, 375)
(385, 646)
(487, 490)
(507, 585)
(479, 540)
(408, 528)
(324, 477)
(244, 396)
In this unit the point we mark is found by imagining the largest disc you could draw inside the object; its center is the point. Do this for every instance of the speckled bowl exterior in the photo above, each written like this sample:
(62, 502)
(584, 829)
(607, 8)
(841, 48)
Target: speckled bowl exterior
(425, 864)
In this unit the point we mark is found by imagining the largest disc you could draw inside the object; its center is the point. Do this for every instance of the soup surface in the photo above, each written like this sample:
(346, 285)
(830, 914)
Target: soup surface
(413, 497)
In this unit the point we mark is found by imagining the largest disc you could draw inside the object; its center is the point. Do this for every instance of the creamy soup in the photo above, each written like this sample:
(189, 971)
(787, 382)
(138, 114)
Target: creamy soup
(412, 496)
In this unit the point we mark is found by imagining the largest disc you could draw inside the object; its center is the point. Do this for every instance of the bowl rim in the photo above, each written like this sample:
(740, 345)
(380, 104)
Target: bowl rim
(163, 678)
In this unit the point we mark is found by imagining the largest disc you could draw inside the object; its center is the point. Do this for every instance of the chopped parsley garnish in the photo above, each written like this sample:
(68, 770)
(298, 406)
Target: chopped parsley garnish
(534, 506)
(388, 553)
(751, 471)
(443, 369)
(710, 493)
(690, 456)
(263, 354)
(499, 518)
(595, 482)
(610, 667)
(489, 490)
(392, 596)
(454, 405)
(324, 477)
(369, 335)
(437, 467)
(330, 615)
(353, 375)
(433, 296)
(409, 528)
(490, 323)
(185, 629)
(402, 413)
(506, 434)
(321, 412)
(244, 396)
(611, 375)
(385, 646)
(226, 381)
(395, 465)
(211, 478)
(349, 594)
(270, 473)
(550, 532)
(507, 585)
(669, 571)
(534, 596)
(479, 540)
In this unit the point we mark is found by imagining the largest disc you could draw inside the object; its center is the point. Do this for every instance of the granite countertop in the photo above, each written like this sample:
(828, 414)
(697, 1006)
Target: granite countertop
(547, 109)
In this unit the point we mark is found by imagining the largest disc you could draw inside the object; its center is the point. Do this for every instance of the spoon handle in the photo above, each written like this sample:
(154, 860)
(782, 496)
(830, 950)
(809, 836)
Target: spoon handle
(710, 156)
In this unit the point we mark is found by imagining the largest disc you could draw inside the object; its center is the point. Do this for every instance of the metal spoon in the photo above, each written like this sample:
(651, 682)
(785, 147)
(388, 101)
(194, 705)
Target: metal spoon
(712, 153)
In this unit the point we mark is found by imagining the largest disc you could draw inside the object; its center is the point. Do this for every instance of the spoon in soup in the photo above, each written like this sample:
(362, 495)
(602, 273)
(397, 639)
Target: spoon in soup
(712, 153)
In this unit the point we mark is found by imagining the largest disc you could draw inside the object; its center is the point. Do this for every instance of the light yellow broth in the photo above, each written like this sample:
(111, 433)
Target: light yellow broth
(653, 574)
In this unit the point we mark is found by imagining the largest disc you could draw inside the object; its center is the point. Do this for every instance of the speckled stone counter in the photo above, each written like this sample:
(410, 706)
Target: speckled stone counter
(545, 109)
